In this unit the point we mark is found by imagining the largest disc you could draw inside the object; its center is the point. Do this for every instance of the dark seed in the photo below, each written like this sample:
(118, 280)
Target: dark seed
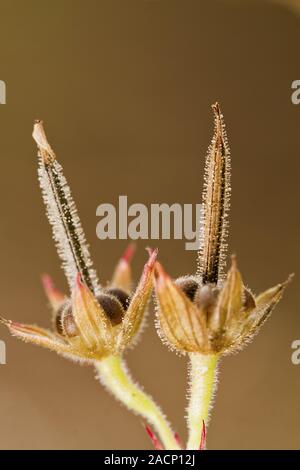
(69, 325)
(112, 307)
(188, 286)
(58, 322)
(64, 321)
(206, 296)
(122, 296)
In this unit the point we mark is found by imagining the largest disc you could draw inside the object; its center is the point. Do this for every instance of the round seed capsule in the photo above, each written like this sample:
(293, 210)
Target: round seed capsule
(112, 307)
(121, 295)
(64, 321)
(188, 286)
(206, 296)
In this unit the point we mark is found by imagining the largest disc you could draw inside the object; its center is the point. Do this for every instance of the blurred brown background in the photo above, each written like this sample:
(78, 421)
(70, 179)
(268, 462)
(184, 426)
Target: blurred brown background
(124, 89)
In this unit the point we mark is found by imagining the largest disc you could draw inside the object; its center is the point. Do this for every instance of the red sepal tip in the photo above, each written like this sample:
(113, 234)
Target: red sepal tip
(129, 252)
(152, 257)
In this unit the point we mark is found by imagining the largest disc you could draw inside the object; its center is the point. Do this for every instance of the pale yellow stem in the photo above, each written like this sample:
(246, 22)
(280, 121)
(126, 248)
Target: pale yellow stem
(202, 377)
(114, 375)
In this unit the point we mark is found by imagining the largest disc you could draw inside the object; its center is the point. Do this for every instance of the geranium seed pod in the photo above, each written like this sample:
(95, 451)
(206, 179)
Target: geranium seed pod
(58, 323)
(206, 296)
(188, 286)
(64, 321)
(121, 295)
(112, 307)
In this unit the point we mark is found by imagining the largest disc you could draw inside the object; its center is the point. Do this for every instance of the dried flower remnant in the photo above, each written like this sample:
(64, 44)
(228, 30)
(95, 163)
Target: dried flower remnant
(94, 324)
(207, 315)
(63, 217)
(216, 202)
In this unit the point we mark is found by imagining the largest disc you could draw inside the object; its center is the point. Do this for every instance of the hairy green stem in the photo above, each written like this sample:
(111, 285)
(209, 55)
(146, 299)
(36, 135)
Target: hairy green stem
(113, 374)
(202, 378)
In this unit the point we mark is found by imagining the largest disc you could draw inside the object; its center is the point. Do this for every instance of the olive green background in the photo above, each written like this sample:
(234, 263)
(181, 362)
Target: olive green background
(124, 89)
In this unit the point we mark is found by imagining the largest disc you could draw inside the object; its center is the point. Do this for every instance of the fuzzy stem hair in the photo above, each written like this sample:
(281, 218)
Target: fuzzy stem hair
(202, 380)
(114, 375)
